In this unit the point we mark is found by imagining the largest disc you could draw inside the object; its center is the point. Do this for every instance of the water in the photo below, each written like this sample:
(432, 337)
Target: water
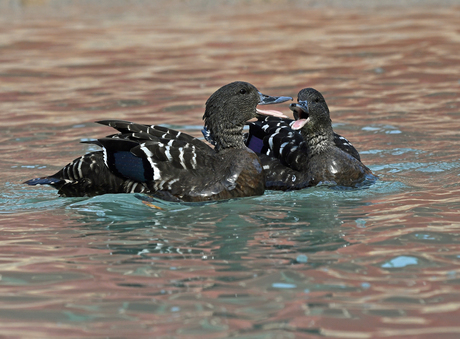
(370, 263)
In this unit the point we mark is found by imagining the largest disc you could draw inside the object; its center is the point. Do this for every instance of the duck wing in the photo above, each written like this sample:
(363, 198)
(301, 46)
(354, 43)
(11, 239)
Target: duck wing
(173, 165)
(141, 133)
(274, 136)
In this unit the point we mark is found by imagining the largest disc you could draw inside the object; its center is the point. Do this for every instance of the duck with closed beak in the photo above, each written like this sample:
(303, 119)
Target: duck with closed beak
(171, 165)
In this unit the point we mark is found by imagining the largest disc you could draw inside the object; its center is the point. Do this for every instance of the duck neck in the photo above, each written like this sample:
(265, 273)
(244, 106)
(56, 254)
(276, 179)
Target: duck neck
(225, 134)
(318, 141)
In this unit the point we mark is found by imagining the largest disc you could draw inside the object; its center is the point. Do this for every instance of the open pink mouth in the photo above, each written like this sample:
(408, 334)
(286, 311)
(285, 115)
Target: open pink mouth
(271, 113)
(298, 124)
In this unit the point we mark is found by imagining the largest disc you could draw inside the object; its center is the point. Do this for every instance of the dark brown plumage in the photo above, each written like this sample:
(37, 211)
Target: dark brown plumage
(327, 163)
(294, 160)
(170, 164)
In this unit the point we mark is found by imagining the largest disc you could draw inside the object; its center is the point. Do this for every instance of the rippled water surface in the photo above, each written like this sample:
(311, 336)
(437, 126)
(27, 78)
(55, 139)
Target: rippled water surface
(372, 263)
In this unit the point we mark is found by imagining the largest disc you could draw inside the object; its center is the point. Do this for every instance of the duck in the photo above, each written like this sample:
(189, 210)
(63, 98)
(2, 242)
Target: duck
(306, 151)
(172, 165)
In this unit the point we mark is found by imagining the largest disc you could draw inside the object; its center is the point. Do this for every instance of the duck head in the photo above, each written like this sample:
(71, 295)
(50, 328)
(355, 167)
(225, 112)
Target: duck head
(310, 112)
(230, 107)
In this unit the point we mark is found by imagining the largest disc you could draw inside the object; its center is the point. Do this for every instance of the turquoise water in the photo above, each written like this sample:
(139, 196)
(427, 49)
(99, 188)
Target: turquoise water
(262, 265)
(377, 262)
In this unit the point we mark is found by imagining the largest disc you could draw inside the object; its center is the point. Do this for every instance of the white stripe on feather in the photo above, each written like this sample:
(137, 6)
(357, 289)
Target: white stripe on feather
(156, 171)
(69, 171)
(168, 153)
(181, 157)
(282, 147)
(193, 158)
(104, 153)
(270, 140)
(172, 182)
(74, 169)
(80, 173)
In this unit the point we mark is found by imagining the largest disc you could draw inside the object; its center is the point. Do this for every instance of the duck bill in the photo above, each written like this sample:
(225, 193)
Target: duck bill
(269, 100)
(300, 111)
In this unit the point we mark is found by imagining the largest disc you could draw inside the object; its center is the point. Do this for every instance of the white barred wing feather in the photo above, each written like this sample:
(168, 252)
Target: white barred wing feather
(139, 132)
(280, 141)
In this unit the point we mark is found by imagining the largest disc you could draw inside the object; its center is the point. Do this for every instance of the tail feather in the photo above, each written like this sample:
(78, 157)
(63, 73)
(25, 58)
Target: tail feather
(43, 181)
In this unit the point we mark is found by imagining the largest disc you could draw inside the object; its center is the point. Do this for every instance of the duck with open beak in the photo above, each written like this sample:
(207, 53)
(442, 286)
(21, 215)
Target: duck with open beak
(306, 151)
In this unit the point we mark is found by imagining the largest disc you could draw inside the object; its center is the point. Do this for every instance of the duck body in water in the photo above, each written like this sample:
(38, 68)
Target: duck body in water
(171, 165)
(306, 152)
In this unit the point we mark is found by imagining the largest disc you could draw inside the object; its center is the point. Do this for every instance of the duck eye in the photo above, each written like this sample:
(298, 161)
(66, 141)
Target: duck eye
(316, 100)
(242, 91)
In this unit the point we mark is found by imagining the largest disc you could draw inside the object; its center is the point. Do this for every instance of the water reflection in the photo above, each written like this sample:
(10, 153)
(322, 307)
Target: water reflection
(227, 228)
(252, 261)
